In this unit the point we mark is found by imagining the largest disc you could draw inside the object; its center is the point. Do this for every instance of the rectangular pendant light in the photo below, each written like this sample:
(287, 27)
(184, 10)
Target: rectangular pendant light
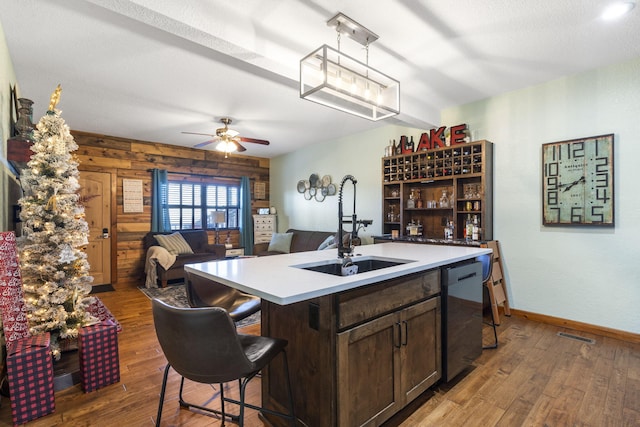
(334, 79)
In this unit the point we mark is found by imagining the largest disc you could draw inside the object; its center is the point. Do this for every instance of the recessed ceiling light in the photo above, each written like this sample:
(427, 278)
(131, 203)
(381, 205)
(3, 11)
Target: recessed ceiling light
(618, 9)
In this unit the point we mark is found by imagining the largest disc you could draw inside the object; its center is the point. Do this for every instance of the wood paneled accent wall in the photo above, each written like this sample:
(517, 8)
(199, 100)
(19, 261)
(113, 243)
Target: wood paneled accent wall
(131, 159)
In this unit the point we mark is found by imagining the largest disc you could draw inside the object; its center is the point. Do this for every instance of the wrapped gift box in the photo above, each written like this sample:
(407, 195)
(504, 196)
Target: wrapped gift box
(99, 361)
(30, 378)
(12, 308)
(102, 313)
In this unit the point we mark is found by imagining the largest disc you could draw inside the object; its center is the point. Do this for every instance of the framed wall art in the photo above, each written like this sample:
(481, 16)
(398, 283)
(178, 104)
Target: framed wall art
(577, 182)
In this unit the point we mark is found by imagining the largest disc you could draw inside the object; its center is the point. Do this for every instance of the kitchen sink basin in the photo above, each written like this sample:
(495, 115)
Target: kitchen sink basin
(364, 265)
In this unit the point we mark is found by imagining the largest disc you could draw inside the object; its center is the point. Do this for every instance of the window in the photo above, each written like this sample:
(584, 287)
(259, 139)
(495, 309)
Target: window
(193, 205)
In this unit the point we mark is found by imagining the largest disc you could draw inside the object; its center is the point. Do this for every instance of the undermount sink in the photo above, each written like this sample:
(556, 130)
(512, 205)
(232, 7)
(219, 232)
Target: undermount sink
(364, 264)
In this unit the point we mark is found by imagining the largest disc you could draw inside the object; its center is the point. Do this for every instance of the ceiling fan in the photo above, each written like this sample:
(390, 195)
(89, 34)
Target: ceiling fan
(228, 139)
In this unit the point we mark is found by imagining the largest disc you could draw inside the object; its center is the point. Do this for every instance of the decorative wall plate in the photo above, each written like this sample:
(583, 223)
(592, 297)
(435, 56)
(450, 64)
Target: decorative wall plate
(316, 188)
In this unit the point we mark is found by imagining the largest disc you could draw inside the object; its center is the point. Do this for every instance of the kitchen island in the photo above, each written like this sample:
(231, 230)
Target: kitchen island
(361, 347)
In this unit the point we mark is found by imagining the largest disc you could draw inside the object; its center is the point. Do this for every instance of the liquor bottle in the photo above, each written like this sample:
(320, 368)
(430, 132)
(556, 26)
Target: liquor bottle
(475, 234)
(394, 148)
(448, 231)
(398, 147)
(468, 230)
(411, 203)
(411, 146)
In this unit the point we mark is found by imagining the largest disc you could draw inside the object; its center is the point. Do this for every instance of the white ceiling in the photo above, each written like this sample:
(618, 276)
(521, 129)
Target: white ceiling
(149, 69)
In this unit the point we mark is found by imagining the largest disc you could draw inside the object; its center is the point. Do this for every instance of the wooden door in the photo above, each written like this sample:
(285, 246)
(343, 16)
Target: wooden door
(95, 194)
(421, 350)
(369, 372)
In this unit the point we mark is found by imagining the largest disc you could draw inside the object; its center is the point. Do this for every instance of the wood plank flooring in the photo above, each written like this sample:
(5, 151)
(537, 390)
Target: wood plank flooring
(534, 378)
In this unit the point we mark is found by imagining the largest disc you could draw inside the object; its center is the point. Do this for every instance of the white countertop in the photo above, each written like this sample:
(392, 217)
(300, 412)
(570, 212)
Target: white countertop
(275, 278)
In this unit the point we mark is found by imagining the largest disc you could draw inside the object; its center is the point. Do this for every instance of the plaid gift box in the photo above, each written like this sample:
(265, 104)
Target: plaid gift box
(30, 375)
(99, 361)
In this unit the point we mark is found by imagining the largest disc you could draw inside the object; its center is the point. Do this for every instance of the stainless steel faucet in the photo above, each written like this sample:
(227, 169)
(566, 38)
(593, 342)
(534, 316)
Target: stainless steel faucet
(342, 250)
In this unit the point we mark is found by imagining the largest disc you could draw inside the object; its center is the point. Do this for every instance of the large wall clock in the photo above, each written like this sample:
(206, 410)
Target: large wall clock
(577, 182)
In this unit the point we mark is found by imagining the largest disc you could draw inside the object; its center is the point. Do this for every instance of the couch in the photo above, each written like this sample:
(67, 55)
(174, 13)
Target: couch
(302, 241)
(162, 266)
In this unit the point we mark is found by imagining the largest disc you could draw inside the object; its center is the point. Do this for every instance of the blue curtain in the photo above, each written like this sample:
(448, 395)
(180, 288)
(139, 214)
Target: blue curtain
(246, 231)
(159, 211)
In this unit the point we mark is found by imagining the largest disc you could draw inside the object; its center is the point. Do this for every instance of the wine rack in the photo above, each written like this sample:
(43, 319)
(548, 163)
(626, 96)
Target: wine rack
(416, 184)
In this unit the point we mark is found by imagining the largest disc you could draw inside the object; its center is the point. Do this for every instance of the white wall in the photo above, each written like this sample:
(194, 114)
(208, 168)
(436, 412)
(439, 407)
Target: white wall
(7, 79)
(587, 275)
(359, 155)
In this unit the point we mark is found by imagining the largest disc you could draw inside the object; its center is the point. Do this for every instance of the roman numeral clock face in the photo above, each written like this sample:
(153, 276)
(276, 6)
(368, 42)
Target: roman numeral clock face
(577, 182)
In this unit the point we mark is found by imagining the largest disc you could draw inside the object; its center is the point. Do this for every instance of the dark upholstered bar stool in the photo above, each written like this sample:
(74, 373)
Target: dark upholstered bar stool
(202, 345)
(202, 292)
(487, 265)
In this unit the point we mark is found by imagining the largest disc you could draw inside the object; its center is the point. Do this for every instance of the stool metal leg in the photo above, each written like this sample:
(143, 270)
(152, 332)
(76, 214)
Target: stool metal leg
(495, 333)
(164, 387)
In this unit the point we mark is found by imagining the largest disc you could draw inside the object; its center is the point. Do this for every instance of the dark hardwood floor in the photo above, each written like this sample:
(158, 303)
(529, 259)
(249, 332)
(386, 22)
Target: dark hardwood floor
(534, 378)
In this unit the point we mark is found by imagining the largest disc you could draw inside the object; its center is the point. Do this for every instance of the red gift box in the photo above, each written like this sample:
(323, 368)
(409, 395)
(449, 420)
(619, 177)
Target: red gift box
(30, 378)
(12, 308)
(99, 361)
(102, 313)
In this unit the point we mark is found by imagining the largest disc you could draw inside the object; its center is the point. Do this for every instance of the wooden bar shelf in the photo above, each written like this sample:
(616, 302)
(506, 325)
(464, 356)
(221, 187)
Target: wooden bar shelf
(463, 173)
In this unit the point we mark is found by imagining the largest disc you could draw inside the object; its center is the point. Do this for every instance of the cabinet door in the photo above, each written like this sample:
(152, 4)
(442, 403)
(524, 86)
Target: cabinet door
(421, 356)
(369, 372)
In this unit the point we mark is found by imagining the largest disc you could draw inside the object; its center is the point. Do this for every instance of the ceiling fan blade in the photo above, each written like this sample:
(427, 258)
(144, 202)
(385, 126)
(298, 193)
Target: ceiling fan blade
(196, 133)
(239, 147)
(253, 140)
(202, 144)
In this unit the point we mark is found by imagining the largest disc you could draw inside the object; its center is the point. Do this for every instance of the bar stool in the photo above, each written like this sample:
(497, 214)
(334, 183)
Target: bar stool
(202, 345)
(203, 292)
(487, 266)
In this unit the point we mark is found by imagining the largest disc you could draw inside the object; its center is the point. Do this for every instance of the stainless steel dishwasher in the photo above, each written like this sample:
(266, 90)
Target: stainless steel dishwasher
(461, 317)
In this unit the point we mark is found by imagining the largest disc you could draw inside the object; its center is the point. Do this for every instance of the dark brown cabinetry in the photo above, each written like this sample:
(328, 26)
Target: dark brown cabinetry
(360, 355)
(407, 362)
(425, 190)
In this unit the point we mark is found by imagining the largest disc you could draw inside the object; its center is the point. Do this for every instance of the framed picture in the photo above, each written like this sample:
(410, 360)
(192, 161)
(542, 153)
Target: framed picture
(260, 190)
(577, 182)
(13, 111)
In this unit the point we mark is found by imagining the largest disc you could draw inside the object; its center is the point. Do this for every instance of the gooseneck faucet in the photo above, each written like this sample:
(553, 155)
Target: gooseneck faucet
(342, 250)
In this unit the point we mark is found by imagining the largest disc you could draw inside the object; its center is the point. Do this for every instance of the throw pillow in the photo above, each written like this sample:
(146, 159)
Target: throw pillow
(280, 242)
(327, 242)
(174, 243)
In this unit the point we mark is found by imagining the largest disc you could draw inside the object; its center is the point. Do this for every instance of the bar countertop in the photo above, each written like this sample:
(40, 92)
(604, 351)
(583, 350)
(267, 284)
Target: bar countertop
(281, 280)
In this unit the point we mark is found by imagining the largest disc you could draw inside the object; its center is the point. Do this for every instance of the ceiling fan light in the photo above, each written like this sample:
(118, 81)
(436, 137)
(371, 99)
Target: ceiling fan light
(226, 146)
(617, 10)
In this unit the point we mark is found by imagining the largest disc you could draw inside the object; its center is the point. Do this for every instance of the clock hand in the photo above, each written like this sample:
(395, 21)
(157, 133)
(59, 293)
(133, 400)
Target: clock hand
(577, 181)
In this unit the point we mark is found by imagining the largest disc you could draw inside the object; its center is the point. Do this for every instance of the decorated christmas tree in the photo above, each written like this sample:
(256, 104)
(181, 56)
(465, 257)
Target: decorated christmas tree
(55, 271)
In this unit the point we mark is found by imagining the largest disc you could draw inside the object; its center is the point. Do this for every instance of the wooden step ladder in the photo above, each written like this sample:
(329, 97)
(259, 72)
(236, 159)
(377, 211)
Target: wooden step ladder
(498, 286)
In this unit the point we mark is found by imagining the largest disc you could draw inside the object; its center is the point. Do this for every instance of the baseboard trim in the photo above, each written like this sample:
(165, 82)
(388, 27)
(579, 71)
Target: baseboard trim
(96, 289)
(578, 326)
